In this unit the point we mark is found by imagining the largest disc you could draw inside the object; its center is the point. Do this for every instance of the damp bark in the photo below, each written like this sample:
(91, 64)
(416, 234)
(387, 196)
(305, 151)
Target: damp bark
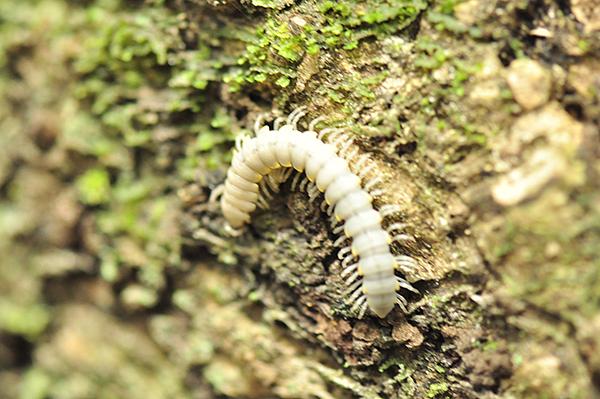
(118, 279)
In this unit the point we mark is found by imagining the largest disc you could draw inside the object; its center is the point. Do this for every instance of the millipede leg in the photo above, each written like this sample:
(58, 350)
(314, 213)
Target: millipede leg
(340, 141)
(239, 140)
(293, 117)
(349, 270)
(328, 131)
(283, 175)
(362, 159)
(334, 221)
(309, 186)
(338, 230)
(363, 309)
(287, 172)
(372, 183)
(401, 301)
(349, 154)
(325, 132)
(278, 122)
(330, 210)
(233, 232)
(273, 181)
(366, 171)
(269, 183)
(313, 124)
(335, 265)
(344, 145)
(258, 123)
(355, 300)
(336, 137)
(216, 193)
(396, 227)
(295, 180)
(303, 185)
(406, 285)
(360, 306)
(355, 296)
(324, 206)
(353, 288)
(352, 278)
(343, 252)
(299, 113)
(340, 240)
(347, 260)
(389, 210)
(402, 238)
(262, 203)
(406, 261)
(263, 189)
(313, 192)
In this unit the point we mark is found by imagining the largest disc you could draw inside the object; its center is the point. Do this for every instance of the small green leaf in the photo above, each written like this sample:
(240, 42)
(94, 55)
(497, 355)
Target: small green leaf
(94, 187)
(283, 81)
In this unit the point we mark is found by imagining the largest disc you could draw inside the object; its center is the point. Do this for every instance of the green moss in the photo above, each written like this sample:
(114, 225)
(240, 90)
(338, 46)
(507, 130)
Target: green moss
(517, 359)
(490, 346)
(403, 375)
(353, 90)
(275, 4)
(431, 55)
(129, 39)
(584, 45)
(29, 320)
(357, 13)
(140, 225)
(139, 85)
(439, 369)
(126, 57)
(283, 81)
(94, 186)
(36, 384)
(441, 16)
(437, 389)
(449, 73)
(550, 260)
(281, 42)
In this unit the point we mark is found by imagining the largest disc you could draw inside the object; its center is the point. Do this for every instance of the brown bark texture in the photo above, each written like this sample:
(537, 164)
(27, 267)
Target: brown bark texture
(118, 278)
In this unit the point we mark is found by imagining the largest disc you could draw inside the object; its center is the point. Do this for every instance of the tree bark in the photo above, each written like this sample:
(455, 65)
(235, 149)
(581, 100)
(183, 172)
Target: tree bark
(119, 279)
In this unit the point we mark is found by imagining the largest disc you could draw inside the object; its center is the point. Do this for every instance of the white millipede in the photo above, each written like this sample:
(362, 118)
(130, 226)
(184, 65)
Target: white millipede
(260, 164)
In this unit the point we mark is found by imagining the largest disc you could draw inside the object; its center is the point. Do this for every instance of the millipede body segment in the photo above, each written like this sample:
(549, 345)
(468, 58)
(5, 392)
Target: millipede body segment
(261, 163)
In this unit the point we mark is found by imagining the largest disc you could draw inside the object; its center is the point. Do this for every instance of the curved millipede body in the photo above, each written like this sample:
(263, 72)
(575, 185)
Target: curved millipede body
(261, 163)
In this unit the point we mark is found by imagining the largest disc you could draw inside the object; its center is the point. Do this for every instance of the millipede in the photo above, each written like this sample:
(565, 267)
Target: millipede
(324, 162)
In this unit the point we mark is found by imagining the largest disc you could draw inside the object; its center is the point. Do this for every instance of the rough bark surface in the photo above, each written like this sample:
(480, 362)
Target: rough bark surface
(117, 119)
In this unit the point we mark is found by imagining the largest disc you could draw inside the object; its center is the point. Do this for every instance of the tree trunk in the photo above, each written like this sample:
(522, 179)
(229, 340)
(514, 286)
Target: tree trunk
(119, 279)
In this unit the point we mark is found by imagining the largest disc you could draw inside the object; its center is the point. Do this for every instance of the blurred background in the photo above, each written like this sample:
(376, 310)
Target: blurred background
(118, 280)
